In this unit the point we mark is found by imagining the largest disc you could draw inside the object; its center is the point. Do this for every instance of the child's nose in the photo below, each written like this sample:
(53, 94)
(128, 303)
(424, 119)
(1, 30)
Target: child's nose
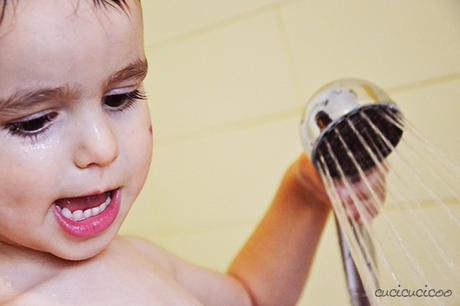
(97, 143)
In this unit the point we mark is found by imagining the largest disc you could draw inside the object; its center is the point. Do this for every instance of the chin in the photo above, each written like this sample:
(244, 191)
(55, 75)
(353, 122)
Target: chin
(78, 250)
(79, 255)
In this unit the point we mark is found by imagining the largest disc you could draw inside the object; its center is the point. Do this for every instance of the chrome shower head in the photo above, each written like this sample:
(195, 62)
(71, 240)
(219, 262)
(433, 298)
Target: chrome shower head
(349, 126)
(343, 116)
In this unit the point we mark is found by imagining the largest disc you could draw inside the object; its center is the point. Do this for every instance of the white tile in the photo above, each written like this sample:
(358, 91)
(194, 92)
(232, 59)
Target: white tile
(233, 73)
(164, 19)
(387, 42)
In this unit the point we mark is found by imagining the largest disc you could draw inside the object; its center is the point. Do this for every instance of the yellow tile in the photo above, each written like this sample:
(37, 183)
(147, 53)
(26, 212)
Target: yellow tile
(164, 19)
(387, 42)
(422, 243)
(205, 193)
(230, 176)
(213, 248)
(435, 112)
(216, 180)
(232, 73)
(326, 284)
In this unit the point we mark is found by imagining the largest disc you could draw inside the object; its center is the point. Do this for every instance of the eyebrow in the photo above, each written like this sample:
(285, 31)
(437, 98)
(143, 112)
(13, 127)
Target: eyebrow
(136, 70)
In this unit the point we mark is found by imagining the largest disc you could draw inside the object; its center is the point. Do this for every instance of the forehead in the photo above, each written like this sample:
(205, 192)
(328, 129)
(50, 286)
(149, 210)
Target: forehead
(46, 43)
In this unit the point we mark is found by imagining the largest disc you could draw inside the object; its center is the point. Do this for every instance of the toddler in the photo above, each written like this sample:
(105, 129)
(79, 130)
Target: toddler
(75, 148)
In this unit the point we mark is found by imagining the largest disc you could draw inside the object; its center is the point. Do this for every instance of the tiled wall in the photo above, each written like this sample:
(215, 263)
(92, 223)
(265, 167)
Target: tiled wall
(227, 82)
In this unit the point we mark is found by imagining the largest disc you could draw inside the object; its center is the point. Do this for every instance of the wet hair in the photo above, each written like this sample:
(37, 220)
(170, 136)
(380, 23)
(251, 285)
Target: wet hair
(121, 4)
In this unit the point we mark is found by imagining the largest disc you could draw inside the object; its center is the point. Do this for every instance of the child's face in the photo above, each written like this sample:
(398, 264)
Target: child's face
(68, 129)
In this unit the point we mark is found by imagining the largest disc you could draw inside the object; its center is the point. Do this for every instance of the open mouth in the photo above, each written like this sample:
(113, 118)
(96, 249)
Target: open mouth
(81, 208)
(87, 216)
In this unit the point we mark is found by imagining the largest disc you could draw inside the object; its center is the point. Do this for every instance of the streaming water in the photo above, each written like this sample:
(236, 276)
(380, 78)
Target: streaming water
(399, 210)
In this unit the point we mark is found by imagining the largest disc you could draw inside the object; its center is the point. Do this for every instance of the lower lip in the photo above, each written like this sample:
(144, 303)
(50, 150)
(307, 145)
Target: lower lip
(94, 225)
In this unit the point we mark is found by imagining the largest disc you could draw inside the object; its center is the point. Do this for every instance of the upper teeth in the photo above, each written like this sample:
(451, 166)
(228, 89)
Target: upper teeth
(79, 215)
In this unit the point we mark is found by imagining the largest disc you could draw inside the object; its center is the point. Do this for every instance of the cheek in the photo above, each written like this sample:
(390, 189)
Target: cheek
(137, 146)
(141, 151)
(30, 174)
(27, 191)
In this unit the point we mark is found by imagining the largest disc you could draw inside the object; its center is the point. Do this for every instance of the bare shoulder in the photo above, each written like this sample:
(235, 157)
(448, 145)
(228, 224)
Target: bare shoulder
(194, 279)
(150, 250)
(139, 243)
(145, 246)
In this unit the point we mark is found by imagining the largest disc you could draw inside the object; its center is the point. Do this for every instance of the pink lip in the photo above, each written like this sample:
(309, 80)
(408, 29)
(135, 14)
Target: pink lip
(93, 225)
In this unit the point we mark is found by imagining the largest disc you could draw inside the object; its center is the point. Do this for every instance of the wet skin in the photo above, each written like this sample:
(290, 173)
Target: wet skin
(84, 140)
(83, 132)
(74, 124)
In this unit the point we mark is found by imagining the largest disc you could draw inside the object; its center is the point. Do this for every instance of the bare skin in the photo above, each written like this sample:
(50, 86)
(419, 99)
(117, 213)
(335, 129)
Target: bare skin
(79, 142)
(120, 275)
(131, 270)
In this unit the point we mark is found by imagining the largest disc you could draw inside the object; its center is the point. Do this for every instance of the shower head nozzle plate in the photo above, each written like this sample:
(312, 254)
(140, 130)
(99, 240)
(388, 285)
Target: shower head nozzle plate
(361, 138)
(350, 124)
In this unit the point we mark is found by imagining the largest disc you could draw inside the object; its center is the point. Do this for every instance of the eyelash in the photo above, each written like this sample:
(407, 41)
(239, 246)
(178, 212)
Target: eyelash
(128, 100)
(123, 101)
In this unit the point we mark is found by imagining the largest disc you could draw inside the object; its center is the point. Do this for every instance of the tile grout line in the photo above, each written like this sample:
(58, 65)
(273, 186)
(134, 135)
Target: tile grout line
(291, 113)
(219, 24)
(233, 126)
(399, 89)
(286, 43)
(247, 222)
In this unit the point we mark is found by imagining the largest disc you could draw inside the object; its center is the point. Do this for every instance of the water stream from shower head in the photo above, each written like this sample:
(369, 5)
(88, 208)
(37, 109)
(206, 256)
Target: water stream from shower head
(396, 198)
(339, 133)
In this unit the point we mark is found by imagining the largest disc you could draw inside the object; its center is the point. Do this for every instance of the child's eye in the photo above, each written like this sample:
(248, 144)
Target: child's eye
(123, 101)
(31, 127)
